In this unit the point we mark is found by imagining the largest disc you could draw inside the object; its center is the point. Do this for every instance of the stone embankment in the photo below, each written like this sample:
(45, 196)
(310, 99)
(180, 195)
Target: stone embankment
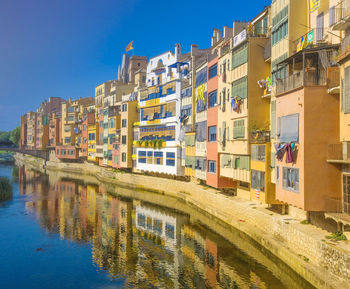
(304, 248)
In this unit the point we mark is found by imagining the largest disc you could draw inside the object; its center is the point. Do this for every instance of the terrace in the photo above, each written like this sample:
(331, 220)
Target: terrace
(313, 66)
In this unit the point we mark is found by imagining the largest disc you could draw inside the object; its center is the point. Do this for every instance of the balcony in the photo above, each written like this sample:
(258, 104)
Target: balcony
(260, 136)
(309, 67)
(341, 15)
(339, 153)
(345, 46)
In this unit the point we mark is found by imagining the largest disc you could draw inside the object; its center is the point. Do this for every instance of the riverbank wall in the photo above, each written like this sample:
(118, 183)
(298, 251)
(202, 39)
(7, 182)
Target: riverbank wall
(304, 248)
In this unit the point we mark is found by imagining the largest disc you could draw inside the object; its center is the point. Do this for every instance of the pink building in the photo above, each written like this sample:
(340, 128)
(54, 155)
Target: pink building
(213, 159)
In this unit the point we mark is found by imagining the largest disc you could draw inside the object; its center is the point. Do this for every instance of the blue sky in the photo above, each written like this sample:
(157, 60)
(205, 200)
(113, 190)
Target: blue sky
(65, 48)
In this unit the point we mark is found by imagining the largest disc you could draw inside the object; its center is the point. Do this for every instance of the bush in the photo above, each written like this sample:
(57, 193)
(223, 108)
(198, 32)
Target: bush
(337, 236)
(5, 189)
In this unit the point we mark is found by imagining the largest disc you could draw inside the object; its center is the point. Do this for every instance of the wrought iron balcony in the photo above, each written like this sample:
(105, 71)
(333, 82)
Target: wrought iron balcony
(341, 14)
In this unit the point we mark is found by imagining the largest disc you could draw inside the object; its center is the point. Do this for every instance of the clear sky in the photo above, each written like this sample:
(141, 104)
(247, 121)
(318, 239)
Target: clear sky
(65, 48)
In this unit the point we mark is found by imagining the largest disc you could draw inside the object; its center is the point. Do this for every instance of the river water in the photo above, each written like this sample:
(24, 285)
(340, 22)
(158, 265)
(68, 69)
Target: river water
(67, 231)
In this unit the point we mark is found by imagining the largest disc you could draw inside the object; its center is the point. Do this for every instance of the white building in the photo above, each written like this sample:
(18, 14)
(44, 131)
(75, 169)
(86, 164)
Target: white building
(158, 149)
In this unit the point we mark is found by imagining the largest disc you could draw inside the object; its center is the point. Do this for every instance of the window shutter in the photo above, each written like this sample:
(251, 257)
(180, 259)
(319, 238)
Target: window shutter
(272, 163)
(346, 89)
(273, 118)
(238, 129)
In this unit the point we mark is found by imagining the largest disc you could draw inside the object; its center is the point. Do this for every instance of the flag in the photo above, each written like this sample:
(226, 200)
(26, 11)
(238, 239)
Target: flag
(129, 47)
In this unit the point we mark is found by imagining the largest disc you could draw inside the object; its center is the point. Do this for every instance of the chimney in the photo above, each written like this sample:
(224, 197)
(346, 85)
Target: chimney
(194, 50)
(177, 50)
(228, 32)
(216, 36)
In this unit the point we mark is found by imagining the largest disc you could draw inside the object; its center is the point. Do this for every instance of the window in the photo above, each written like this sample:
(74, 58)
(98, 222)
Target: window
(91, 136)
(58, 151)
(277, 174)
(238, 129)
(123, 139)
(240, 88)
(212, 133)
(123, 122)
(280, 32)
(331, 15)
(67, 140)
(150, 157)
(212, 167)
(273, 118)
(239, 56)
(258, 180)
(70, 117)
(320, 27)
(288, 128)
(212, 98)
(170, 159)
(346, 90)
(258, 152)
(124, 107)
(123, 157)
(213, 71)
(84, 127)
(158, 158)
(142, 157)
(116, 159)
(70, 109)
(346, 193)
(291, 179)
(112, 123)
(241, 162)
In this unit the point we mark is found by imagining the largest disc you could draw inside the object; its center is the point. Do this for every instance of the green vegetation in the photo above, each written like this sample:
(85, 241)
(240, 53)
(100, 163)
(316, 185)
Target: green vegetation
(305, 222)
(8, 137)
(5, 189)
(337, 236)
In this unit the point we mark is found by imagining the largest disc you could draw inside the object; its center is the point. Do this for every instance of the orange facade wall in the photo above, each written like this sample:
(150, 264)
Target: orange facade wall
(318, 126)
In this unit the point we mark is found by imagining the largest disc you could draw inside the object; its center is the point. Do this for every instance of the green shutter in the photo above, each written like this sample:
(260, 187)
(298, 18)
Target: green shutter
(273, 118)
(238, 129)
(190, 140)
(240, 56)
(240, 87)
(245, 163)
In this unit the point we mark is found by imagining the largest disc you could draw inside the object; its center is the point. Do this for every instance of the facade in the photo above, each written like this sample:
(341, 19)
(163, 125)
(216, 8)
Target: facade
(338, 152)
(301, 99)
(129, 116)
(89, 119)
(31, 130)
(158, 148)
(241, 107)
(54, 129)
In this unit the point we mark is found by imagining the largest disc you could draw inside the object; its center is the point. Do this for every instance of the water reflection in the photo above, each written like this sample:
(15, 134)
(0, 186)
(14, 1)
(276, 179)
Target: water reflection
(144, 244)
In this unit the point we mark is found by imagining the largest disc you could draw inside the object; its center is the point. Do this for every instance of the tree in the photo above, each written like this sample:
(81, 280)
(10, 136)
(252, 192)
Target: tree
(15, 135)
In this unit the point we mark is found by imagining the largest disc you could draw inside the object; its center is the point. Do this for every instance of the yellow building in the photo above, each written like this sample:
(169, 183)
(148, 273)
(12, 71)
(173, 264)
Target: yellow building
(93, 138)
(129, 115)
(339, 153)
(242, 109)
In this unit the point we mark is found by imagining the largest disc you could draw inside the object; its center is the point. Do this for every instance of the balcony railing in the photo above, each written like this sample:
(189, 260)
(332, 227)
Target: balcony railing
(310, 77)
(260, 136)
(342, 15)
(335, 152)
(339, 153)
(345, 45)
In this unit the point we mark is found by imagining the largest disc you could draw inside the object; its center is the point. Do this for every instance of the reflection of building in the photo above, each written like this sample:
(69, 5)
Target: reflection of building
(142, 243)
